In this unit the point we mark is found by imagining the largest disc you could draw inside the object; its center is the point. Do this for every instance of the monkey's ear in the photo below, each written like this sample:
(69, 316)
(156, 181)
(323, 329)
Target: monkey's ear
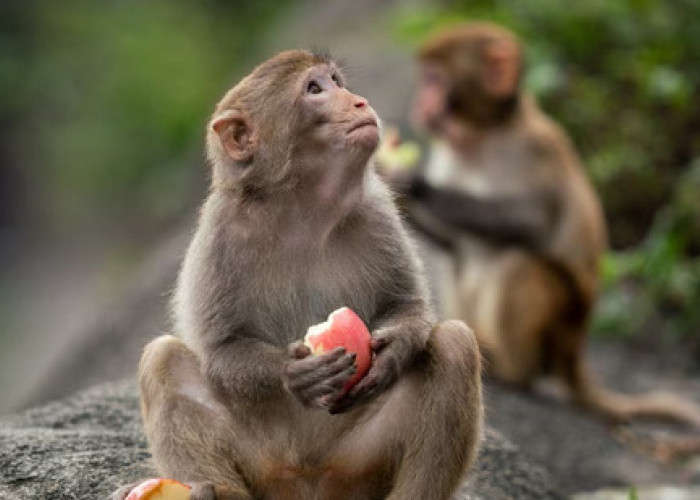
(501, 69)
(236, 134)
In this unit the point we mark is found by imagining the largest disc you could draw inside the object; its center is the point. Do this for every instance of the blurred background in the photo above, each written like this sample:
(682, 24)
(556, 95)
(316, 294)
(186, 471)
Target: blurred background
(101, 154)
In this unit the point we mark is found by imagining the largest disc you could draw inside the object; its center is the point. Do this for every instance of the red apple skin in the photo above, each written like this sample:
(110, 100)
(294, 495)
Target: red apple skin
(344, 329)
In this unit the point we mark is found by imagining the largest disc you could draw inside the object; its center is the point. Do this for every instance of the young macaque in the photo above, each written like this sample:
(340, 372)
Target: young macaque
(297, 225)
(505, 193)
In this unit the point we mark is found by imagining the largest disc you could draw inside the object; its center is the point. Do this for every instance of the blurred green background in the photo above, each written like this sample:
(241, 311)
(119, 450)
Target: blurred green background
(104, 104)
(102, 117)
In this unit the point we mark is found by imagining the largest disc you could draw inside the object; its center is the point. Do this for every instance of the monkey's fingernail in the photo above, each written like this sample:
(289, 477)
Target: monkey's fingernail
(378, 343)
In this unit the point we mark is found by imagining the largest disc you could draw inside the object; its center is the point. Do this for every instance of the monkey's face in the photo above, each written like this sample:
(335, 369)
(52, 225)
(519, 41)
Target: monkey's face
(331, 117)
(430, 103)
(468, 79)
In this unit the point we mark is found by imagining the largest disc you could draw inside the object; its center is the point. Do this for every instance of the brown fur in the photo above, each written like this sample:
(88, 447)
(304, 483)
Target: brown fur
(296, 225)
(507, 193)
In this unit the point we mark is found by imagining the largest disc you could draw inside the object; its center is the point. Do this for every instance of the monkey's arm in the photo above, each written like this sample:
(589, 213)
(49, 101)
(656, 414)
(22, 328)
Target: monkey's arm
(425, 222)
(254, 371)
(405, 324)
(522, 220)
(246, 367)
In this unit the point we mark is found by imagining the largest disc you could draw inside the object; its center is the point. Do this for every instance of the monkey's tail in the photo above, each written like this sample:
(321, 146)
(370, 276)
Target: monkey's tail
(657, 405)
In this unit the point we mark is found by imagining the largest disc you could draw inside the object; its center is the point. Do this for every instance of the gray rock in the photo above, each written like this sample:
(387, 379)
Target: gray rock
(89, 444)
(579, 449)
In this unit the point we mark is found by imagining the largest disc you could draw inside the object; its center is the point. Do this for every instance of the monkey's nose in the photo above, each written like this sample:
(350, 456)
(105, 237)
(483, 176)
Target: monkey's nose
(361, 102)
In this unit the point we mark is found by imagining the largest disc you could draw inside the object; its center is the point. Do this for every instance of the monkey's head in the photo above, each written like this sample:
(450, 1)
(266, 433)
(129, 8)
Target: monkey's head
(470, 73)
(284, 119)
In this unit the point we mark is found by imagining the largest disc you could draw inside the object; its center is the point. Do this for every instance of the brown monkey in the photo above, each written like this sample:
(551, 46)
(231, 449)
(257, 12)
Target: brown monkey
(503, 189)
(296, 225)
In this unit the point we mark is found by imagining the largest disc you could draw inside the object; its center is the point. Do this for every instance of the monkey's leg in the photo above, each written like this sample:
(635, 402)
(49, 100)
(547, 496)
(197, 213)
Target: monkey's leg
(422, 434)
(442, 434)
(189, 431)
(416, 440)
(520, 304)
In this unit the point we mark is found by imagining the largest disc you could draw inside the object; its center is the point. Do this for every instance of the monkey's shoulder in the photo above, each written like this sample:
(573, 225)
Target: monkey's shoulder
(547, 142)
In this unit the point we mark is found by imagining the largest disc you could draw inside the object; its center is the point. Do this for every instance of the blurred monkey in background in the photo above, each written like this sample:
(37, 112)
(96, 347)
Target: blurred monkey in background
(504, 191)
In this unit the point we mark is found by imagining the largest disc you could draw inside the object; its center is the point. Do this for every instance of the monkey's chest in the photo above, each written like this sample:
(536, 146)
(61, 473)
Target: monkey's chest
(487, 173)
(294, 301)
(445, 170)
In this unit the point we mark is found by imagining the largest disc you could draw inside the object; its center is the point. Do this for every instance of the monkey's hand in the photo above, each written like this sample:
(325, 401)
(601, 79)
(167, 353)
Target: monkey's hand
(317, 381)
(391, 355)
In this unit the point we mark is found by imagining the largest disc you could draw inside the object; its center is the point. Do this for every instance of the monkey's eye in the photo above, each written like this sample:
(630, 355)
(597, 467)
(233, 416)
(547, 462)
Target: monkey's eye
(313, 88)
(336, 79)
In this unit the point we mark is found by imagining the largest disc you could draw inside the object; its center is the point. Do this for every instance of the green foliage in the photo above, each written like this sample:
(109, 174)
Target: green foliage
(113, 95)
(657, 284)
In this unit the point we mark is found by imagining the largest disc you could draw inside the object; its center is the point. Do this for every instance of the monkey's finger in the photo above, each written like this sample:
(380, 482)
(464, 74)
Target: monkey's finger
(329, 390)
(323, 394)
(339, 380)
(369, 383)
(202, 491)
(365, 390)
(298, 350)
(332, 400)
(311, 363)
(333, 368)
(307, 376)
(380, 376)
(378, 343)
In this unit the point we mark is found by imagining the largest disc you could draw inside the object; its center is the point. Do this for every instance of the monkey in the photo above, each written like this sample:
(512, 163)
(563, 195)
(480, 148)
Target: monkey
(504, 192)
(297, 223)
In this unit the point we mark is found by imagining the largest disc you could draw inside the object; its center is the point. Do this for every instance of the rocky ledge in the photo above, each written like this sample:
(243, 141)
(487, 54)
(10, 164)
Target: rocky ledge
(86, 445)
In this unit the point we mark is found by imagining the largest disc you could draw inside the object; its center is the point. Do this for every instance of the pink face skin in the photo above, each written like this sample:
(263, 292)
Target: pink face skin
(429, 112)
(336, 116)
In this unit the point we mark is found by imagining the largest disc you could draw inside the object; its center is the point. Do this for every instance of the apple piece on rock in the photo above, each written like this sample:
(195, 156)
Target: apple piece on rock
(159, 489)
(346, 329)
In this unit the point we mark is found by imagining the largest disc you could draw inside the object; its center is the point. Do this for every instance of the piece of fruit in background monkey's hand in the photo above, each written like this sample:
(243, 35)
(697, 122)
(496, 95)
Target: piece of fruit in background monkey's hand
(393, 154)
(159, 489)
(345, 329)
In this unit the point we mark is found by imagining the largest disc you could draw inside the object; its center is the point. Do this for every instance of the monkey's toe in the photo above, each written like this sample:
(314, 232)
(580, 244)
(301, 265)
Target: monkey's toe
(203, 491)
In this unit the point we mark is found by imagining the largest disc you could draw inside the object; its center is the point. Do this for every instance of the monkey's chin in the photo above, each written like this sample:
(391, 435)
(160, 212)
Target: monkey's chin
(366, 137)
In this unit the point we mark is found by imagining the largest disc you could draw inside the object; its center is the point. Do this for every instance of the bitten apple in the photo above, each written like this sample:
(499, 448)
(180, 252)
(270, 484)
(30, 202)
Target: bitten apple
(159, 489)
(343, 328)
(394, 154)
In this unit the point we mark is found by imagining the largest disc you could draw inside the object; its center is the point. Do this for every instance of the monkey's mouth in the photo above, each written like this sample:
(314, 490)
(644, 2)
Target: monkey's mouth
(367, 122)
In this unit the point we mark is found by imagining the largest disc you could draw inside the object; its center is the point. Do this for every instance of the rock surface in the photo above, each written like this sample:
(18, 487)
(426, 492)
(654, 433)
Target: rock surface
(89, 444)
(579, 449)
